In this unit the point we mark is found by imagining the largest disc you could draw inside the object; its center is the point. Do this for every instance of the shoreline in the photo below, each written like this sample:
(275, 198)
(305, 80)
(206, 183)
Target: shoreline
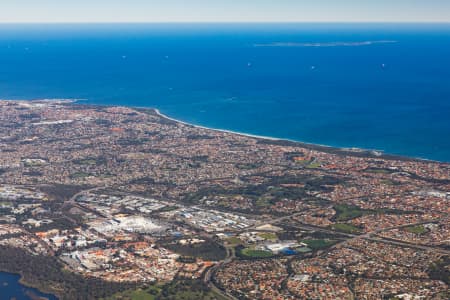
(159, 113)
(351, 151)
(22, 281)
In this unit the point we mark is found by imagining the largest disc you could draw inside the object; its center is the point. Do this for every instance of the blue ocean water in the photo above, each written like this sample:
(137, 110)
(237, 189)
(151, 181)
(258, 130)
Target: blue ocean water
(374, 86)
(10, 288)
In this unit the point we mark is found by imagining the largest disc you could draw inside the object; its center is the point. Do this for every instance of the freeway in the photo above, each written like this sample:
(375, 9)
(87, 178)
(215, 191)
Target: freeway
(370, 235)
(208, 277)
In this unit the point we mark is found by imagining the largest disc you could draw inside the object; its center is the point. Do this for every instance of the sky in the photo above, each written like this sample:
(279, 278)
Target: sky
(111, 11)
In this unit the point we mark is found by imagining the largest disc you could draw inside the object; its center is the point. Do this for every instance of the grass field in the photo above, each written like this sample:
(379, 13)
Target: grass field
(234, 241)
(345, 228)
(252, 253)
(209, 250)
(379, 171)
(419, 229)
(80, 175)
(262, 202)
(268, 236)
(139, 294)
(179, 289)
(348, 212)
(314, 165)
(317, 244)
(304, 249)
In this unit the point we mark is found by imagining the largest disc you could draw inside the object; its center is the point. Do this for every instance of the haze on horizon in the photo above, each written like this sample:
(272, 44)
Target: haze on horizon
(158, 11)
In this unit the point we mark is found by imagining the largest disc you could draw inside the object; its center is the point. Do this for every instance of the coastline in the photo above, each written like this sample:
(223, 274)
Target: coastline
(152, 137)
(25, 283)
(159, 113)
(351, 151)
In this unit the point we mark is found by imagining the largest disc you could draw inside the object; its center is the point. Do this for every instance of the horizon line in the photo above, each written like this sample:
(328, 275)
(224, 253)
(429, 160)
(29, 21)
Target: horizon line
(224, 22)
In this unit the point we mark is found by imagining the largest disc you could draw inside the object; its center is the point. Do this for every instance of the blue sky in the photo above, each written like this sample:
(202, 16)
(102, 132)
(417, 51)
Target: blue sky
(49, 11)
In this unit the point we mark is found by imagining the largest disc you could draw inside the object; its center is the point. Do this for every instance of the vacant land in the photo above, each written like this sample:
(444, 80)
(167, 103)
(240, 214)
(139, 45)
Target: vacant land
(419, 229)
(345, 228)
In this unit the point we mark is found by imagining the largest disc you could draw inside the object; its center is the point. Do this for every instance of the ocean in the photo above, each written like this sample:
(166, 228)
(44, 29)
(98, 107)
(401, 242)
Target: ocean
(372, 86)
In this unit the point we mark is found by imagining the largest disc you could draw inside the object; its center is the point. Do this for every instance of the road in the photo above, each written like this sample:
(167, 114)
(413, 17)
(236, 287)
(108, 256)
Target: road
(231, 255)
(370, 235)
